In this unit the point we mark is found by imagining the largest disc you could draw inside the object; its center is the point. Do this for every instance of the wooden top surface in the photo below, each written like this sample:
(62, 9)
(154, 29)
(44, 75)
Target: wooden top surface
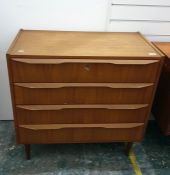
(85, 44)
(164, 47)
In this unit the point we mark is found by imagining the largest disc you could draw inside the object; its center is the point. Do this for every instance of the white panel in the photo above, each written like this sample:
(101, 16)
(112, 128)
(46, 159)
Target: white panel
(149, 28)
(89, 15)
(142, 2)
(158, 38)
(140, 13)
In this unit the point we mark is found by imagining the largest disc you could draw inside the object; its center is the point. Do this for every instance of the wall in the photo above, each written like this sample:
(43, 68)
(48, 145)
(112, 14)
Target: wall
(150, 17)
(86, 15)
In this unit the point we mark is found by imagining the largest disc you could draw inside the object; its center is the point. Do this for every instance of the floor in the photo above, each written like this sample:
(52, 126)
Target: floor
(152, 156)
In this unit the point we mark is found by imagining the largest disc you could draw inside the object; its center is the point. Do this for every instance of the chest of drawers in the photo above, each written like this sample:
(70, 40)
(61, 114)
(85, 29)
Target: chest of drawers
(81, 87)
(161, 107)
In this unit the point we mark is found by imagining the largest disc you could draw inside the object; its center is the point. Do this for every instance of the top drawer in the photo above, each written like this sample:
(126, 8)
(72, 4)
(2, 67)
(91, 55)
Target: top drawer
(83, 70)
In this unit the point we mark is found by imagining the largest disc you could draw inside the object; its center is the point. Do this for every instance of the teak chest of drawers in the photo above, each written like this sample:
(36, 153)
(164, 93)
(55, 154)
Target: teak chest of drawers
(161, 107)
(81, 87)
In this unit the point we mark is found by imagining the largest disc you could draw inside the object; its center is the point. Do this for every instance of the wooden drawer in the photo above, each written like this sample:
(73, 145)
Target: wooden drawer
(82, 114)
(83, 93)
(77, 133)
(83, 70)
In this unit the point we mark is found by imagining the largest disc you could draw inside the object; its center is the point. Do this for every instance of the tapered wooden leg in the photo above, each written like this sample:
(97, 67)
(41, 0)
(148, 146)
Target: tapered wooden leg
(128, 148)
(28, 151)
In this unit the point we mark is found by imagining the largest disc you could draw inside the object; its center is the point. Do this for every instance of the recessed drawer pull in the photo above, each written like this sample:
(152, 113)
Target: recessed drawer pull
(96, 61)
(73, 126)
(69, 85)
(61, 107)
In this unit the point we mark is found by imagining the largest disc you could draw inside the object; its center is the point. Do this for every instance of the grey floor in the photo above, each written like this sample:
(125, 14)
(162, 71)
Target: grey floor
(153, 156)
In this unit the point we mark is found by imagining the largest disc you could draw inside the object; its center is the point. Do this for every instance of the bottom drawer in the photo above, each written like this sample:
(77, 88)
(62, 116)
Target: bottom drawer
(80, 133)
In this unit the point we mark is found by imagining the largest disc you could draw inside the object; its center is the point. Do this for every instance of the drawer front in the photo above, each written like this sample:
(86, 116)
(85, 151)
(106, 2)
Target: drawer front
(80, 70)
(82, 114)
(82, 93)
(79, 134)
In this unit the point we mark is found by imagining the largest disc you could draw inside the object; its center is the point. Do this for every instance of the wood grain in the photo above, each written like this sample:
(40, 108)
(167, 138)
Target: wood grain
(62, 126)
(82, 95)
(80, 135)
(164, 48)
(82, 44)
(64, 61)
(85, 72)
(82, 114)
(65, 85)
(103, 106)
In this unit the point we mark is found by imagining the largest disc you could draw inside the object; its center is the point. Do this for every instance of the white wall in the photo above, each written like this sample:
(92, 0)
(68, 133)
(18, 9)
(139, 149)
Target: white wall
(150, 17)
(86, 15)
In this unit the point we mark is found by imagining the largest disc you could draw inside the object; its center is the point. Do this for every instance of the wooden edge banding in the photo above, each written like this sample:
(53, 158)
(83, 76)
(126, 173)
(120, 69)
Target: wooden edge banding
(158, 46)
(69, 85)
(61, 107)
(14, 41)
(73, 126)
(63, 61)
(152, 45)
